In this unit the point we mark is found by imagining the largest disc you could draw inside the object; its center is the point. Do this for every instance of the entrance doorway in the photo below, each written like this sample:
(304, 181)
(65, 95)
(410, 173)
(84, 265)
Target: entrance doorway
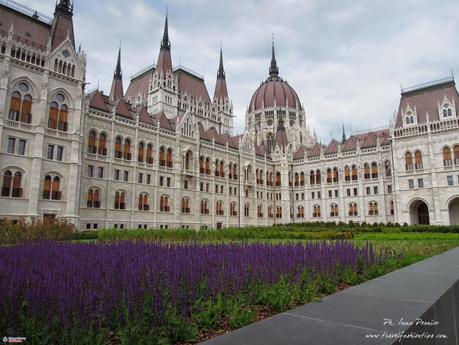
(453, 209)
(419, 212)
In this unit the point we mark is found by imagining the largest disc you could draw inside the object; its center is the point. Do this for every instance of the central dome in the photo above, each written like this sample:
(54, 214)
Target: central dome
(274, 91)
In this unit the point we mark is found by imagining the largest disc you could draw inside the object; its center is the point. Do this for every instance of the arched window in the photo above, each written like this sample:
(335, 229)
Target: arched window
(93, 200)
(233, 209)
(312, 178)
(271, 143)
(164, 203)
(204, 207)
(188, 160)
(246, 210)
(143, 202)
(17, 181)
(418, 160)
(141, 152)
(92, 148)
(202, 165)
(262, 181)
(392, 211)
(222, 169)
(278, 212)
(318, 177)
(207, 166)
(270, 212)
(456, 154)
(300, 213)
(7, 183)
(374, 170)
(329, 175)
(149, 157)
(169, 162)
(185, 205)
(118, 149)
(373, 208)
(302, 178)
(51, 188)
(219, 208)
(21, 104)
(297, 179)
(278, 179)
(447, 159)
(316, 211)
(260, 211)
(58, 113)
(102, 150)
(353, 209)
(408, 161)
(366, 171)
(354, 172)
(235, 171)
(217, 163)
(334, 210)
(162, 156)
(335, 175)
(387, 169)
(127, 150)
(347, 174)
(120, 200)
(230, 170)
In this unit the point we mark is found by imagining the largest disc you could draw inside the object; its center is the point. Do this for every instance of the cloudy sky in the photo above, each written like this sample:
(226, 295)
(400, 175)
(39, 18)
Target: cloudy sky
(346, 59)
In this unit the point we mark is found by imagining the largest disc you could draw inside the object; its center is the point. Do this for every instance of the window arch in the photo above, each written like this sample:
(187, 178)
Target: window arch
(21, 104)
(204, 206)
(456, 154)
(373, 208)
(447, 159)
(246, 210)
(318, 177)
(366, 171)
(143, 202)
(316, 211)
(260, 211)
(127, 150)
(58, 113)
(302, 178)
(347, 173)
(118, 147)
(408, 161)
(149, 155)
(300, 213)
(102, 150)
(354, 172)
(270, 212)
(93, 199)
(278, 179)
(235, 171)
(52, 188)
(92, 147)
(188, 160)
(312, 178)
(141, 152)
(334, 210)
(279, 212)
(185, 205)
(219, 208)
(233, 209)
(374, 170)
(164, 203)
(387, 168)
(169, 162)
(162, 156)
(12, 184)
(335, 175)
(353, 209)
(120, 200)
(207, 166)
(297, 179)
(329, 175)
(418, 160)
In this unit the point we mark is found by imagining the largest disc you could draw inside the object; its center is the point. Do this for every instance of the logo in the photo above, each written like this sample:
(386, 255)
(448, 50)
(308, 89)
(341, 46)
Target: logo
(13, 340)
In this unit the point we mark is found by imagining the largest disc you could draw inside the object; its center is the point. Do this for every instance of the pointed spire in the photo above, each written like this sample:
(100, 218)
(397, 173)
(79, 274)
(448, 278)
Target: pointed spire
(165, 43)
(116, 91)
(221, 71)
(62, 25)
(164, 64)
(273, 69)
(344, 135)
(221, 91)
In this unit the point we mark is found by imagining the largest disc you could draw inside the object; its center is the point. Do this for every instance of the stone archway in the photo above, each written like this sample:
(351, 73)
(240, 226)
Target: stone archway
(453, 209)
(419, 212)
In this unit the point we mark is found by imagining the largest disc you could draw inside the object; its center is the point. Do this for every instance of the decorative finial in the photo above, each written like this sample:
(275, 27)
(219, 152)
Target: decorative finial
(165, 43)
(273, 69)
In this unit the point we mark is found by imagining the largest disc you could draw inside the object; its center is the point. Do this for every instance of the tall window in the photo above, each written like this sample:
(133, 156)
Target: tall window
(202, 165)
(374, 170)
(143, 202)
(222, 169)
(102, 150)
(297, 179)
(366, 171)
(92, 148)
(260, 211)
(21, 104)
(141, 152)
(118, 148)
(127, 150)
(329, 175)
(58, 113)
(51, 188)
(316, 211)
(318, 177)
(233, 209)
(162, 156)
(120, 200)
(207, 166)
(246, 210)
(387, 169)
(204, 207)
(408, 161)
(312, 178)
(185, 205)
(353, 209)
(456, 154)
(278, 179)
(347, 173)
(418, 160)
(235, 171)
(169, 158)
(93, 200)
(300, 213)
(12, 184)
(334, 210)
(219, 208)
(302, 178)
(354, 172)
(447, 161)
(270, 212)
(149, 157)
(164, 203)
(188, 160)
(335, 175)
(373, 208)
(278, 212)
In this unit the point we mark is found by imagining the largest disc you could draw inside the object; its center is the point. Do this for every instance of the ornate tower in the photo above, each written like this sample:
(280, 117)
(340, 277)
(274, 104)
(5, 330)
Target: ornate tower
(221, 104)
(162, 96)
(62, 24)
(116, 91)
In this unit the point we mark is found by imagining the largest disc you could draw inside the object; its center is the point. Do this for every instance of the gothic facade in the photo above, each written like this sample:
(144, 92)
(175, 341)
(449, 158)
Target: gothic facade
(163, 155)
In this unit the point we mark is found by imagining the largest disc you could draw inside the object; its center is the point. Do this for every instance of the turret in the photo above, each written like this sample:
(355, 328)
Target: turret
(62, 25)
(116, 91)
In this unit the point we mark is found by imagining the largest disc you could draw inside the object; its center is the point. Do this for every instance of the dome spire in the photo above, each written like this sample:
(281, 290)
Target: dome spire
(273, 69)
(165, 43)
(221, 71)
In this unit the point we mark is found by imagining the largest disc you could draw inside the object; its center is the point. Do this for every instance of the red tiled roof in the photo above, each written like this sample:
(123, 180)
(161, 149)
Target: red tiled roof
(193, 85)
(370, 141)
(144, 117)
(62, 26)
(97, 101)
(350, 144)
(274, 89)
(122, 109)
(281, 137)
(260, 150)
(332, 147)
(139, 85)
(164, 64)
(299, 154)
(202, 133)
(426, 100)
(315, 151)
(164, 122)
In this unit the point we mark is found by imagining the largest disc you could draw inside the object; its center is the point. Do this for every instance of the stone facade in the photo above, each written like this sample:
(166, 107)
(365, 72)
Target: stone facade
(162, 154)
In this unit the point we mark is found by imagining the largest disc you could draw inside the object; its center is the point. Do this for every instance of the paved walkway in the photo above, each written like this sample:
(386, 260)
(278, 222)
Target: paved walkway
(379, 308)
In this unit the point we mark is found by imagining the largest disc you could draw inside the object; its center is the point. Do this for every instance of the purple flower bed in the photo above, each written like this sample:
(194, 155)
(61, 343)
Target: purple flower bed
(103, 284)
